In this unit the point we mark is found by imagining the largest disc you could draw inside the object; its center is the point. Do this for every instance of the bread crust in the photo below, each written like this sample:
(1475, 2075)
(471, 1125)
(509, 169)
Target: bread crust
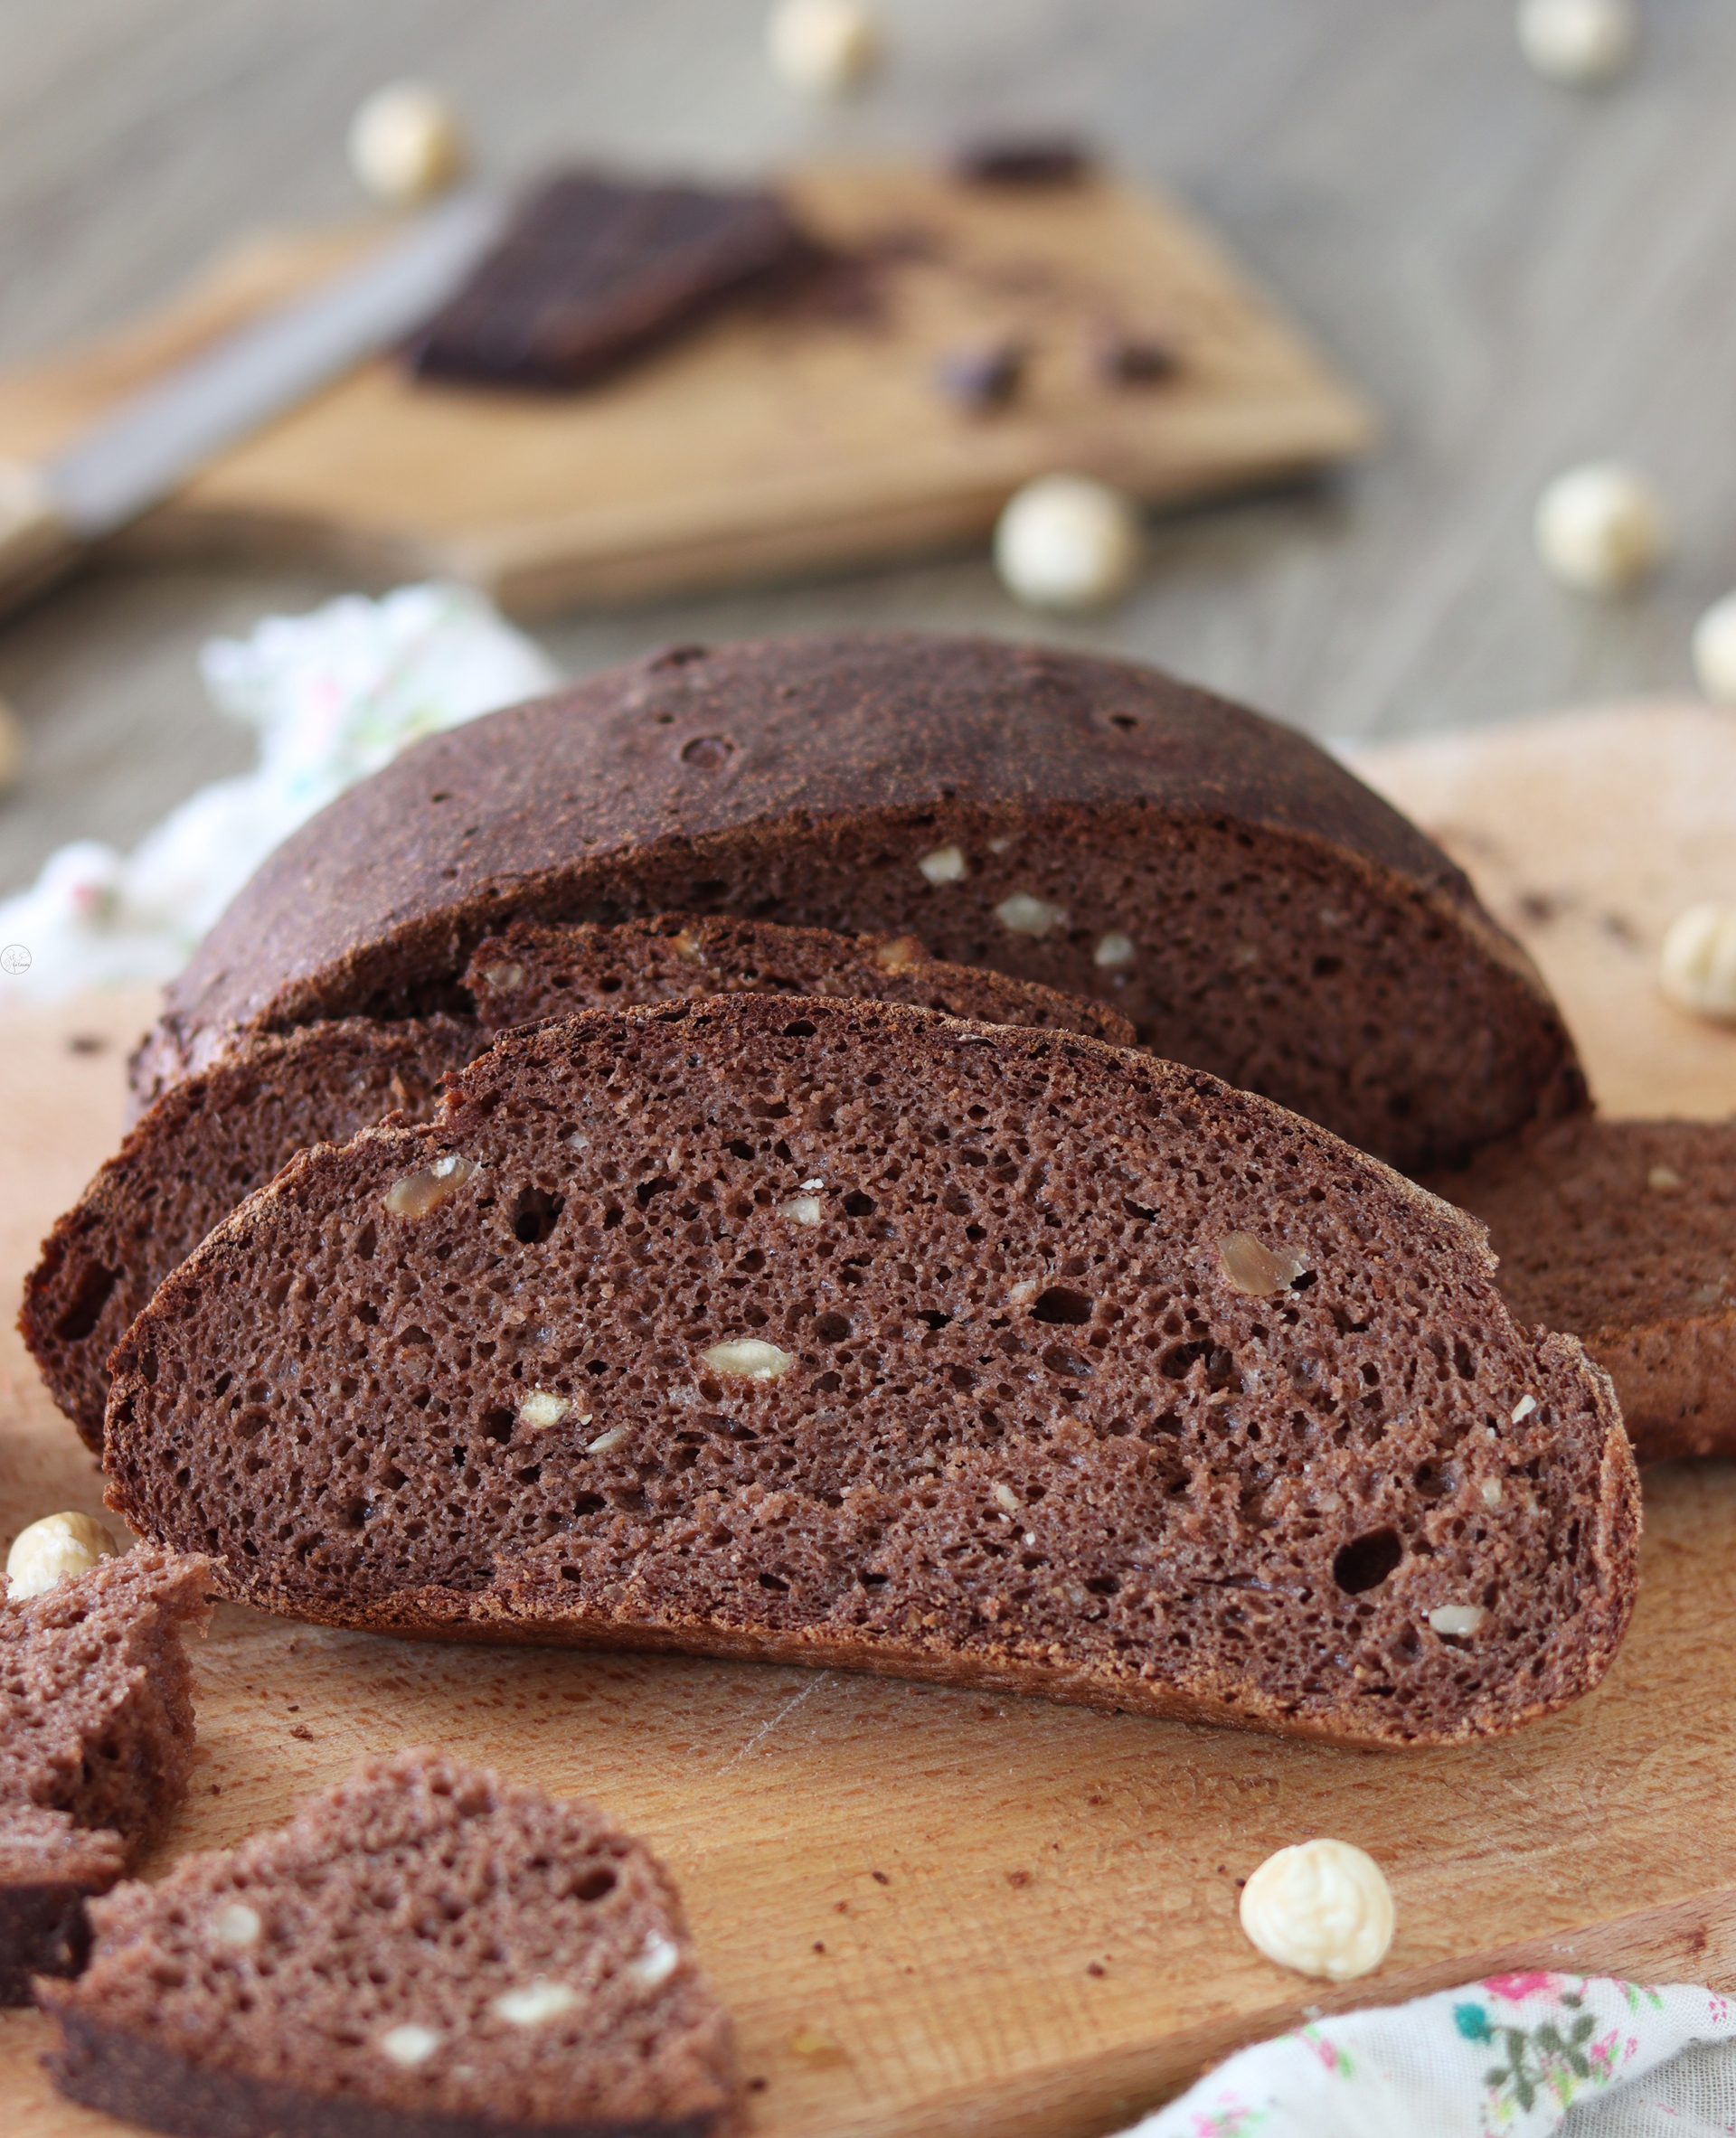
(801, 781)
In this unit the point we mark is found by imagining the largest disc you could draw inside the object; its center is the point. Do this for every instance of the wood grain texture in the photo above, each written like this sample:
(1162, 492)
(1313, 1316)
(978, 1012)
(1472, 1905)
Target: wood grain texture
(935, 1912)
(769, 440)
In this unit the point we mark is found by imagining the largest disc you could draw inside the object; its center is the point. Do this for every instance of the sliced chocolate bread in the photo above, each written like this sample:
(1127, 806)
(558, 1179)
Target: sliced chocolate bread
(217, 1136)
(1625, 1232)
(423, 1952)
(96, 1739)
(222, 1132)
(1085, 824)
(850, 1335)
(535, 971)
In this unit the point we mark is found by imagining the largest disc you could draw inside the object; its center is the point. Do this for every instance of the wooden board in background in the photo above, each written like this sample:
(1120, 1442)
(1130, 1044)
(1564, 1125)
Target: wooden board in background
(936, 1912)
(768, 442)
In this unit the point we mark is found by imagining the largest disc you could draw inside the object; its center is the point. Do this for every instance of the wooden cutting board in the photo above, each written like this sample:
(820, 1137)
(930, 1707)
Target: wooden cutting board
(770, 442)
(934, 1912)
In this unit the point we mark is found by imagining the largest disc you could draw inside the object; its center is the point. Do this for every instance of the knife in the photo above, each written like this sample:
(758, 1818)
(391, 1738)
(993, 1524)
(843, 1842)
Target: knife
(133, 457)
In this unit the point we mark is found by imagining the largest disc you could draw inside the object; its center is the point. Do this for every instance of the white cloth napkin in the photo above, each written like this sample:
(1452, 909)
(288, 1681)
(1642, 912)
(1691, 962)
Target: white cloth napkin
(1519, 2055)
(334, 695)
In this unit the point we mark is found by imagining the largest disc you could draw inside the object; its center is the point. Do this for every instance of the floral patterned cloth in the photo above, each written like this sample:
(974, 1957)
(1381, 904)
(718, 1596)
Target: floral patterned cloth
(332, 696)
(1515, 2057)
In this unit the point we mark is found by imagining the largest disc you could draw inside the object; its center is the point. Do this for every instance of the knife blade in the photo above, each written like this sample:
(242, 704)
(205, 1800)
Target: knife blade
(136, 457)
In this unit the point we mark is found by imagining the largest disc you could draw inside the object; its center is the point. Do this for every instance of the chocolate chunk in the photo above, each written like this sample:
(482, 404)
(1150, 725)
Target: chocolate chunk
(591, 271)
(1037, 160)
(1134, 360)
(981, 378)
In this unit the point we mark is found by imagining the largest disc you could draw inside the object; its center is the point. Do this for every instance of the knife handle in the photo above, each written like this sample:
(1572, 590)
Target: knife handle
(36, 543)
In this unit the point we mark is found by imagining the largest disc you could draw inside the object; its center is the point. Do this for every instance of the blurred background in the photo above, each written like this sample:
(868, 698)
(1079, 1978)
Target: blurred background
(1519, 274)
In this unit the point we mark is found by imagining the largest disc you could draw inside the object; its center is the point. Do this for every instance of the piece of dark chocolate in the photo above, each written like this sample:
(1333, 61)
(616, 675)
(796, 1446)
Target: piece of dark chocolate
(979, 379)
(1134, 360)
(1029, 160)
(591, 271)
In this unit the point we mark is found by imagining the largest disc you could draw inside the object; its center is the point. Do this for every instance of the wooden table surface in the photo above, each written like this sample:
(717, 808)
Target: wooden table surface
(1518, 275)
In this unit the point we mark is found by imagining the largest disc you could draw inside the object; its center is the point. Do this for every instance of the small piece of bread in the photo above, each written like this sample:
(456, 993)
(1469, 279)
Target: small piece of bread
(206, 1143)
(1624, 1232)
(96, 1739)
(845, 1333)
(422, 1952)
(540, 971)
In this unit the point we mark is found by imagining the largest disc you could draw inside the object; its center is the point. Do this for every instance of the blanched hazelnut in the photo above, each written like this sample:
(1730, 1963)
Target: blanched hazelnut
(749, 1358)
(903, 951)
(1601, 529)
(1113, 950)
(946, 864)
(1066, 542)
(1457, 1618)
(1584, 43)
(1715, 651)
(1255, 1270)
(539, 2001)
(1697, 970)
(406, 143)
(656, 1962)
(824, 47)
(542, 1409)
(1022, 915)
(237, 1925)
(54, 1549)
(408, 2045)
(426, 1189)
(1322, 1907)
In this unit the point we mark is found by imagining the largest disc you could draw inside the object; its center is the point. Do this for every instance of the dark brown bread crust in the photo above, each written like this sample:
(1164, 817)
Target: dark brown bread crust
(1625, 1232)
(207, 1143)
(534, 971)
(95, 1741)
(1287, 929)
(416, 1894)
(994, 1264)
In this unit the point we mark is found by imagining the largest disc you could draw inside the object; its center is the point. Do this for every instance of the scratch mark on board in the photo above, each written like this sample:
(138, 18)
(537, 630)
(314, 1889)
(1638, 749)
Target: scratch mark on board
(766, 1728)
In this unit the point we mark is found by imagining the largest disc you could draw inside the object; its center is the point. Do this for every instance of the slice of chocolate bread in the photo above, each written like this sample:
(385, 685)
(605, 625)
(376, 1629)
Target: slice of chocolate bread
(1625, 1232)
(185, 1166)
(423, 1954)
(219, 1134)
(850, 1335)
(1089, 825)
(96, 1739)
(535, 971)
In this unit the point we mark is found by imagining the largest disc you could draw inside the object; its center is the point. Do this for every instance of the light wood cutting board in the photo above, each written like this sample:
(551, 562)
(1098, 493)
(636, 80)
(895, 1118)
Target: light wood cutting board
(768, 442)
(934, 1912)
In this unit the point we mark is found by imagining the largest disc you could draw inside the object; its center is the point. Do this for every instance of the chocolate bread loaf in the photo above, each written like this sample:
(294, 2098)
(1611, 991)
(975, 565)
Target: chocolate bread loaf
(850, 1335)
(206, 1143)
(1089, 825)
(1625, 1232)
(222, 1132)
(533, 971)
(96, 1739)
(422, 1953)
